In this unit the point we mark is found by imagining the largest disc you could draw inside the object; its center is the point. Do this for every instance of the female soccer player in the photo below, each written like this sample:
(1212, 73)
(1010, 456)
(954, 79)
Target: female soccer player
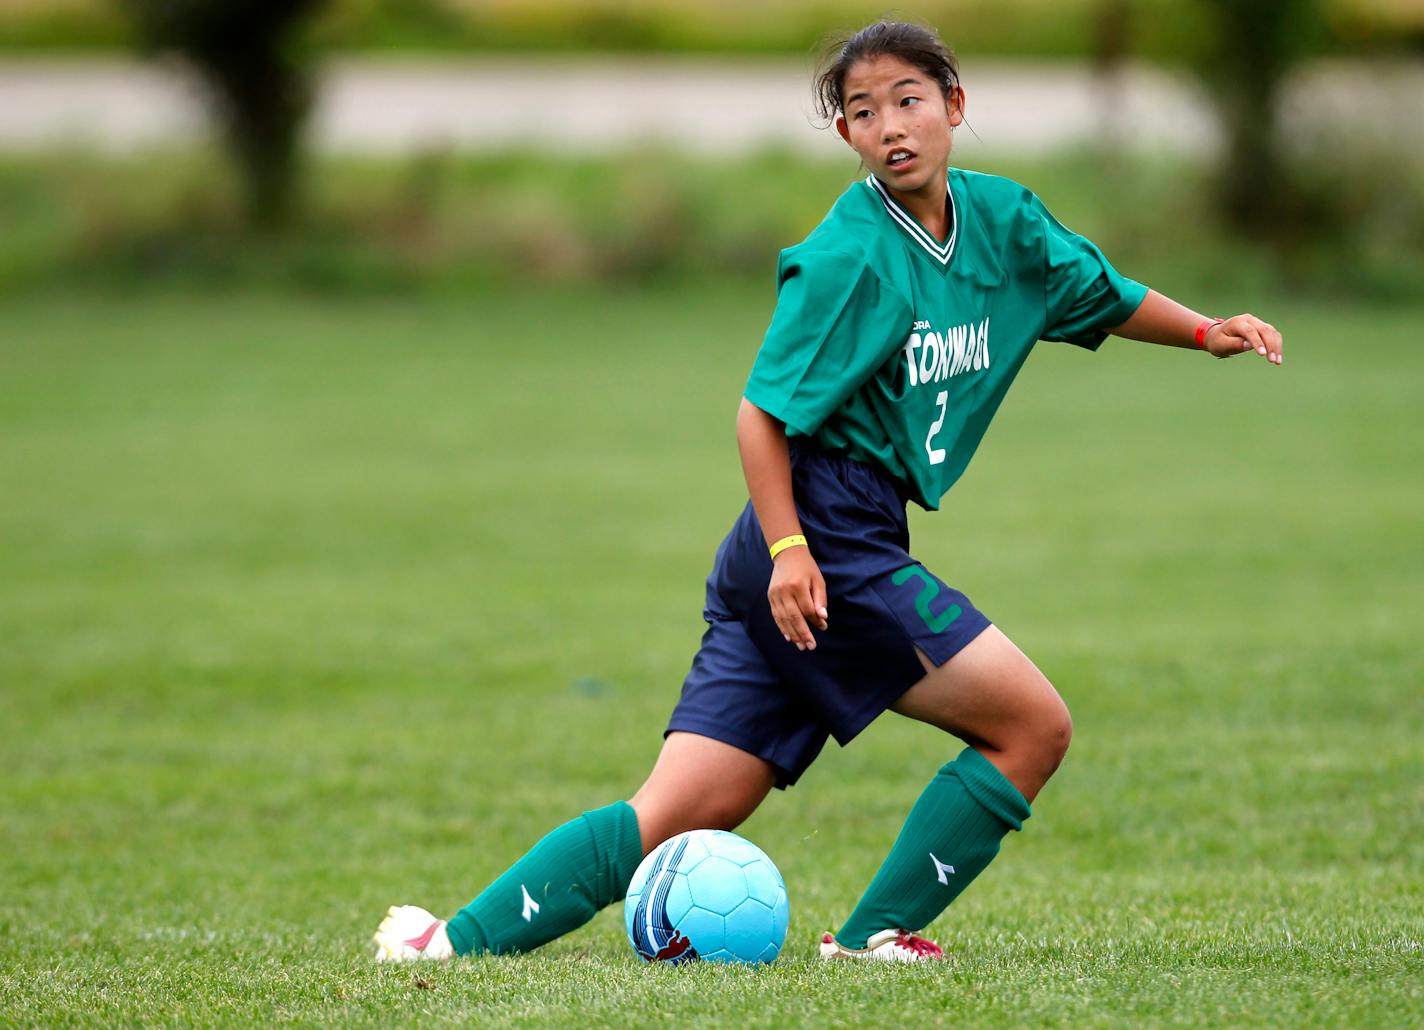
(900, 322)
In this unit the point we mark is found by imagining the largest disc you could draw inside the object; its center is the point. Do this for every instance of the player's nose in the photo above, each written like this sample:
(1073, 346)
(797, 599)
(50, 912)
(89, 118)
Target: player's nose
(891, 129)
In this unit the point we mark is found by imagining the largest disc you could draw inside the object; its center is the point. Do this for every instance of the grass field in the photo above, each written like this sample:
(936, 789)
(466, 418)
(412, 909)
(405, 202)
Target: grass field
(306, 610)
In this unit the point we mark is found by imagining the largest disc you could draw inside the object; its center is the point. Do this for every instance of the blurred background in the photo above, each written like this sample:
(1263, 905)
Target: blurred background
(398, 144)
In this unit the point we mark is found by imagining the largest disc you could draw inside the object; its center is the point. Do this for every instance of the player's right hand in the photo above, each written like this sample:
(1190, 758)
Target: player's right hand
(798, 596)
(1241, 333)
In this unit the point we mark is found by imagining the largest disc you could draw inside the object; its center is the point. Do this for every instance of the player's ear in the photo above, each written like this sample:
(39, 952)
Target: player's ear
(954, 105)
(843, 128)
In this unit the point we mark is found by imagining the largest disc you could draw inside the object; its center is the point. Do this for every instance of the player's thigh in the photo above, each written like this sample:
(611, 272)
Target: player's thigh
(991, 695)
(699, 783)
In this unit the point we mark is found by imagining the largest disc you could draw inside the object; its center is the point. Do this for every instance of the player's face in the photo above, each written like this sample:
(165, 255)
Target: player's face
(899, 121)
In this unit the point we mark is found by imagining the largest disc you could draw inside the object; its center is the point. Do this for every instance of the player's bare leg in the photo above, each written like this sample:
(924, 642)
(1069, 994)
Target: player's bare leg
(991, 696)
(699, 783)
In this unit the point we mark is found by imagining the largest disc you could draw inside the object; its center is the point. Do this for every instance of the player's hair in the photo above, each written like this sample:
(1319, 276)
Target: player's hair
(913, 44)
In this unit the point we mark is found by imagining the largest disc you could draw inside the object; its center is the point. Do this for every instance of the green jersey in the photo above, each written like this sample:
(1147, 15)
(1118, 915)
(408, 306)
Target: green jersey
(893, 348)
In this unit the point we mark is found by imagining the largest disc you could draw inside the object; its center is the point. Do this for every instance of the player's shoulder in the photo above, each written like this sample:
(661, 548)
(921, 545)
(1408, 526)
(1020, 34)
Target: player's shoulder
(846, 241)
(846, 232)
(995, 199)
(1004, 216)
(987, 187)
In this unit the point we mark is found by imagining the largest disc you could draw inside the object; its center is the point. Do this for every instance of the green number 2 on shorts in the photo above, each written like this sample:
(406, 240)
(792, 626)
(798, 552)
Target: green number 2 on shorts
(928, 592)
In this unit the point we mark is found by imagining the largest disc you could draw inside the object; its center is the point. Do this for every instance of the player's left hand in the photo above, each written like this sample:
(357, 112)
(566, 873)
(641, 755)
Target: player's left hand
(1241, 333)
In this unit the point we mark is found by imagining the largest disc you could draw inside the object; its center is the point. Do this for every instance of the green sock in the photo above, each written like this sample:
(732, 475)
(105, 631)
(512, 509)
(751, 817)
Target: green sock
(558, 886)
(952, 833)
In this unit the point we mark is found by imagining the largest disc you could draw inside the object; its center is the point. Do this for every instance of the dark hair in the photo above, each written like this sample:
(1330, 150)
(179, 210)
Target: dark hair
(913, 44)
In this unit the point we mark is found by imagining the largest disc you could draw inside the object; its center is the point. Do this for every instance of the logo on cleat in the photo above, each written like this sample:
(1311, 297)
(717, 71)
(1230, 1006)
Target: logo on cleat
(423, 941)
(941, 869)
(531, 907)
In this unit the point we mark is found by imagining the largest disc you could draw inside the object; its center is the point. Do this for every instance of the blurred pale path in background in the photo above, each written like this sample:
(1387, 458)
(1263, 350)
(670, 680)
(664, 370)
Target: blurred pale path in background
(711, 106)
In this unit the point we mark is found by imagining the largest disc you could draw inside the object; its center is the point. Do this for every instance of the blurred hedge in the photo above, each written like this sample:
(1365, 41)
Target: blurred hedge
(1164, 29)
(442, 222)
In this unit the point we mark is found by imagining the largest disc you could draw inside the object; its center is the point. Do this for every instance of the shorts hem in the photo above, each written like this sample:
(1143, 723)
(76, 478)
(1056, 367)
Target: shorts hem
(938, 655)
(884, 699)
(785, 777)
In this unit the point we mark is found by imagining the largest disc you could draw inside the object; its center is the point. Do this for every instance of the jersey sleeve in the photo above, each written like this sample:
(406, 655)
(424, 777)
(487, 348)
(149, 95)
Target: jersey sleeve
(835, 324)
(1084, 295)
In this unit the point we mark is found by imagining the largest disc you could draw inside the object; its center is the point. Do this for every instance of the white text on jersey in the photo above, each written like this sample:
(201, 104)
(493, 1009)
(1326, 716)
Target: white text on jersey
(932, 357)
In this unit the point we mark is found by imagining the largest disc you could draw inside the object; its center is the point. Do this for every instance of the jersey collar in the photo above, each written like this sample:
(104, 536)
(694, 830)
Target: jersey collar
(940, 252)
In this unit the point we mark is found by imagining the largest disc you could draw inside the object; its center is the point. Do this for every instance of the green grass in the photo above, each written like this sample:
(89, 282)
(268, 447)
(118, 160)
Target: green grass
(306, 609)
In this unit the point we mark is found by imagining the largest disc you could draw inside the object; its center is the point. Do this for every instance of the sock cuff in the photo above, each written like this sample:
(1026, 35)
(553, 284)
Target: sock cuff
(990, 788)
(615, 837)
(465, 933)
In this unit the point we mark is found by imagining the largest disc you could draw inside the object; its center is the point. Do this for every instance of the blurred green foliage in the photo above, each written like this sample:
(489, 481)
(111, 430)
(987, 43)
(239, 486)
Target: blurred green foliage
(1161, 29)
(255, 58)
(440, 221)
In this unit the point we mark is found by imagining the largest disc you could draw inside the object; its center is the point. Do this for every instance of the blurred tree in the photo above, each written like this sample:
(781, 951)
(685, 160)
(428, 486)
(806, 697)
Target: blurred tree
(1111, 44)
(1253, 46)
(248, 53)
(1112, 34)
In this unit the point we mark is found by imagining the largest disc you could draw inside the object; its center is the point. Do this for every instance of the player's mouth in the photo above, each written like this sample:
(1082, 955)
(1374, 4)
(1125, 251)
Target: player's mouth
(899, 159)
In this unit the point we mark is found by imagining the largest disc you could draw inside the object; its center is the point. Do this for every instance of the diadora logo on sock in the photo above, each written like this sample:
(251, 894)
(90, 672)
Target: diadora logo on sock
(940, 869)
(531, 907)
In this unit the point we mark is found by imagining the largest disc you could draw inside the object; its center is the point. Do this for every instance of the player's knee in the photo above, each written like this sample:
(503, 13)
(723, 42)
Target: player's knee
(1042, 732)
(1053, 731)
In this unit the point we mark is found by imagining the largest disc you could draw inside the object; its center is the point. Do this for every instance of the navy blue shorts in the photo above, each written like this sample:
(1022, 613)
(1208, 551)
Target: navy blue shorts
(750, 688)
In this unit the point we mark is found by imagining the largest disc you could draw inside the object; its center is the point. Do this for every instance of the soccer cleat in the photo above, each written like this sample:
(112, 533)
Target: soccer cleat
(409, 933)
(885, 946)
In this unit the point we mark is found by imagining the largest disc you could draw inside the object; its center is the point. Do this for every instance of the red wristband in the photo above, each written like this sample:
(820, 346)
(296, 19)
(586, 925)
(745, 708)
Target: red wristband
(1206, 326)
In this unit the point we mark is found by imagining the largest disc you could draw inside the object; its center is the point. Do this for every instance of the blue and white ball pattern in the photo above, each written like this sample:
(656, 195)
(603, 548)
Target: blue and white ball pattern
(709, 895)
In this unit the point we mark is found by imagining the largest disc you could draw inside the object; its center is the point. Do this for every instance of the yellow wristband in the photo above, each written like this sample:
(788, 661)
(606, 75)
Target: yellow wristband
(787, 541)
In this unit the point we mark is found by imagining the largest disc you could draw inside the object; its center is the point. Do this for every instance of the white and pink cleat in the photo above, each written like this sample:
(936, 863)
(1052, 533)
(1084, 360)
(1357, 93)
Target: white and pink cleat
(409, 933)
(885, 946)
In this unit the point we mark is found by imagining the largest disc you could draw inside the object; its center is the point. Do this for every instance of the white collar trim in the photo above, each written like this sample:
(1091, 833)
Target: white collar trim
(941, 252)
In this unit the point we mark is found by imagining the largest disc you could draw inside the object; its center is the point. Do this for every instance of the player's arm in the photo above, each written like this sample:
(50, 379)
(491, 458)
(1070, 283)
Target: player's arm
(1160, 319)
(797, 592)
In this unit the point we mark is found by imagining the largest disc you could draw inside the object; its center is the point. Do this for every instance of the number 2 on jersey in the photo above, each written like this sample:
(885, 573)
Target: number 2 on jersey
(937, 453)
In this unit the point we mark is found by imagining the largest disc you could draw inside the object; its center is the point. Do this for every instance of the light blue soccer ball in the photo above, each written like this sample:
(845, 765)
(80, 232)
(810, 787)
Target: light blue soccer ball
(710, 895)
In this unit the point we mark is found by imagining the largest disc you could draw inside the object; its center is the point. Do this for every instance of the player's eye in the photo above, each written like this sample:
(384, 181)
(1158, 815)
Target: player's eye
(907, 101)
(864, 112)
